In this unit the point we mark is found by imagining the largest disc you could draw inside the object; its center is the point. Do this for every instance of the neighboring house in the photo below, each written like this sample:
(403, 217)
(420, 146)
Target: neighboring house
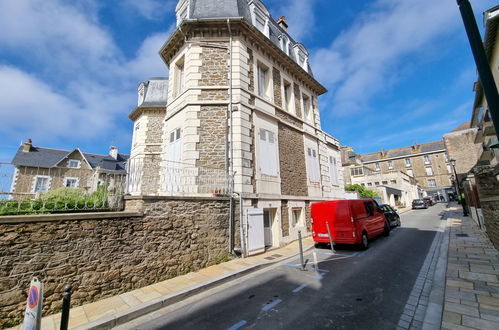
(476, 148)
(38, 170)
(427, 163)
(238, 113)
(394, 187)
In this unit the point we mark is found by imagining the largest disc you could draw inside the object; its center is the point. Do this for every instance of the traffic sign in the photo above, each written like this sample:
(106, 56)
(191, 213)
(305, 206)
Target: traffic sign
(33, 314)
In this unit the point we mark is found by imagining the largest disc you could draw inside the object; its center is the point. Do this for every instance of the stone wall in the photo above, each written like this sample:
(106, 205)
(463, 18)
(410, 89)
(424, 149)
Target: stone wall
(292, 162)
(276, 78)
(461, 146)
(488, 190)
(251, 73)
(212, 136)
(107, 256)
(297, 100)
(284, 219)
(214, 69)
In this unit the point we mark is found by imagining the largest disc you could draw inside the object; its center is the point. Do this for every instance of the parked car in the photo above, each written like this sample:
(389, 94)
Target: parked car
(429, 200)
(352, 221)
(390, 214)
(419, 204)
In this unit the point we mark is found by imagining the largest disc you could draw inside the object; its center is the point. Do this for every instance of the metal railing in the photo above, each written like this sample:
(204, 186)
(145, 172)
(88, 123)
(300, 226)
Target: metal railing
(34, 190)
(177, 179)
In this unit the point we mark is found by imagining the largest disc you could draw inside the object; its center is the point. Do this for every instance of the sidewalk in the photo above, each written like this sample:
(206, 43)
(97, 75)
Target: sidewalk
(119, 309)
(472, 286)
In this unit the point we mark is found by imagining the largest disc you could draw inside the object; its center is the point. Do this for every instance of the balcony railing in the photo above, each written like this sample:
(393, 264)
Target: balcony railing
(177, 179)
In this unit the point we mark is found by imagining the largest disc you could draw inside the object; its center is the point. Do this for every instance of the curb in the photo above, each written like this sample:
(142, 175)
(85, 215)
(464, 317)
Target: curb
(166, 300)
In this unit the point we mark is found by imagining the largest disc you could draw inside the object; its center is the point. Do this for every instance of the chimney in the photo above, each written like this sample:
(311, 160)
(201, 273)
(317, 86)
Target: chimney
(415, 146)
(282, 23)
(113, 152)
(383, 152)
(27, 146)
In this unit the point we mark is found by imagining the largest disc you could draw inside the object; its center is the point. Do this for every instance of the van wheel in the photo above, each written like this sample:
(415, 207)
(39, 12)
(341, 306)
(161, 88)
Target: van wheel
(386, 232)
(364, 243)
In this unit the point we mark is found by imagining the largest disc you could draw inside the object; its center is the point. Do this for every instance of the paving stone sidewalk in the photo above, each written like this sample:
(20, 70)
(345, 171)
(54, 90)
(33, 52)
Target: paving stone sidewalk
(472, 285)
(132, 304)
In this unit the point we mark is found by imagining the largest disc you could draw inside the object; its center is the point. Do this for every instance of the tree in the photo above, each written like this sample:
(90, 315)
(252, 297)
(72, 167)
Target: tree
(363, 192)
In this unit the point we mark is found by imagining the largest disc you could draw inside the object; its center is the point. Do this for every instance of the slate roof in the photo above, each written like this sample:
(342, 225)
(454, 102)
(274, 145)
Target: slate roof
(404, 151)
(203, 9)
(46, 157)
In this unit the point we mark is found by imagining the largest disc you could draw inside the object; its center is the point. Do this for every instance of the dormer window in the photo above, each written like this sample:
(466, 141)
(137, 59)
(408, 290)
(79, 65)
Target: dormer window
(182, 12)
(74, 163)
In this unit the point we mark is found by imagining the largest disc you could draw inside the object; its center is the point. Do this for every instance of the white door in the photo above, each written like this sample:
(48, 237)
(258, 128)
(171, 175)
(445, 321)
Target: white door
(267, 226)
(256, 243)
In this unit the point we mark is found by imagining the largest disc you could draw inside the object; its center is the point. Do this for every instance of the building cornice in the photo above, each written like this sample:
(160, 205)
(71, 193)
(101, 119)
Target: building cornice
(219, 27)
(401, 157)
(141, 109)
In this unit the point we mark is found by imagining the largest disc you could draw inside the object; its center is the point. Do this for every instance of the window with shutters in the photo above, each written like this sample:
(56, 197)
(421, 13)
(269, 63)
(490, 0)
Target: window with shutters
(263, 81)
(175, 148)
(313, 165)
(429, 171)
(333, 170)
(179, 74)
(268, 152)
(287, 96)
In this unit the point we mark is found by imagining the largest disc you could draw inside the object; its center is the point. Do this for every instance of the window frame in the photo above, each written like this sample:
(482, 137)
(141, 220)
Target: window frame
(287, 99)
(389, 163)
(48, 178)
(429, 171)
(179, 76)
(377, 167)
(267, 140)
(307, 107)
(426, 159)
(432, 183)
(75, 179)
(263, 88)
(78, 163)
(408, 162)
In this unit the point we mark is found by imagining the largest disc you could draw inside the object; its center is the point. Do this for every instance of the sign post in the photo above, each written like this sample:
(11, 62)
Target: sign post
(33, 314)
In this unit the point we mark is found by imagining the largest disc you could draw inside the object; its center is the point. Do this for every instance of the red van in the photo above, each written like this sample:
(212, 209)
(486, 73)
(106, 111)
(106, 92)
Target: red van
(352, 221)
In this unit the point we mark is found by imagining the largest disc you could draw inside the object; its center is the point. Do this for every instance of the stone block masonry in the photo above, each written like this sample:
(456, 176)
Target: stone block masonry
(488, 190)
(292, 162)
(107, 256)
(212, 136)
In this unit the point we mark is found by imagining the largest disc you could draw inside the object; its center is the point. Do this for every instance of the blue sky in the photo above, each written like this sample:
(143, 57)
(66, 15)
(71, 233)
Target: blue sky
(397, 71)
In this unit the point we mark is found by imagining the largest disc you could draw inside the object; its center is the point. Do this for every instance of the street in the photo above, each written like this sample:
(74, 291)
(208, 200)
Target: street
(351, 289)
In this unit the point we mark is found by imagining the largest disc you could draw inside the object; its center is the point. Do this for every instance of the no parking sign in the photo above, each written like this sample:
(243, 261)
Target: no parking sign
(33, 314)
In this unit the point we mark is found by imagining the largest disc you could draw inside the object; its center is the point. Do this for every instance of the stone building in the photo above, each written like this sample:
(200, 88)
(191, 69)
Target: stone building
(38, 170)
(395, 188)
(481, 184)
(427, 163)
(241, 116)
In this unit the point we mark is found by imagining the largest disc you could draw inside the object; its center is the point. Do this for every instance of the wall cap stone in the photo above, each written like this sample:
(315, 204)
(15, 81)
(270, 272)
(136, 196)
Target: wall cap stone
(176, 198)
(14, 219)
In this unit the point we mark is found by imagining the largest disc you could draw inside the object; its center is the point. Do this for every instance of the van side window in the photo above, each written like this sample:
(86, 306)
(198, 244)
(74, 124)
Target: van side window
(369, 208)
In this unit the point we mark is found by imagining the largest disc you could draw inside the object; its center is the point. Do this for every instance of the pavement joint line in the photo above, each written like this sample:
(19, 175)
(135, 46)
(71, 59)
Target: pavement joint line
(274, 303)
(169, 299)
(423, 282)
(238, 325)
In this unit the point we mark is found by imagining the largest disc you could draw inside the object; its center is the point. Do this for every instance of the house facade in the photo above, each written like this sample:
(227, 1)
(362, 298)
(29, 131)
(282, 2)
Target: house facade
(427, 163)
(394, 188)
(39, 170)
(476, 148)
(241, 117)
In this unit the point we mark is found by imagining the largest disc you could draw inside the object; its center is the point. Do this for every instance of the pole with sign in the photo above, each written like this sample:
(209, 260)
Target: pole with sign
(33, 314)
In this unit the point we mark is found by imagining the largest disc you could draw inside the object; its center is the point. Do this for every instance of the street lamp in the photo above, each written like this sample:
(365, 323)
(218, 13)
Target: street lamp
(458, 190)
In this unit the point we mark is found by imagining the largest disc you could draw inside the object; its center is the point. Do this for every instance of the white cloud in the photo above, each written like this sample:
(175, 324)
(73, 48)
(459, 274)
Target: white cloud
(151, 9)
(147, 62)
(77, 83)
(299, 16)
(370, 55)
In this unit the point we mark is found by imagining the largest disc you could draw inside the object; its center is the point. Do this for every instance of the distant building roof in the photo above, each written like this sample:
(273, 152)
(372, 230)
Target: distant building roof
(46, 157)
(461, 127)
(404, 151)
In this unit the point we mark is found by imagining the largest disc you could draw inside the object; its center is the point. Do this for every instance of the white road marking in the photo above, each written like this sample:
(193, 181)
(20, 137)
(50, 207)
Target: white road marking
(299, 288)
(237, 325)
(271, 305)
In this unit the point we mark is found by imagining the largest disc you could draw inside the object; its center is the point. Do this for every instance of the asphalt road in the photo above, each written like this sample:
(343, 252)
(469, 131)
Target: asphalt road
(349, 290)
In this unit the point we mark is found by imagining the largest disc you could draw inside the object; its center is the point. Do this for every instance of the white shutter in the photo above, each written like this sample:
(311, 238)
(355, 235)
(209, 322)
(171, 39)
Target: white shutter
(268, 159)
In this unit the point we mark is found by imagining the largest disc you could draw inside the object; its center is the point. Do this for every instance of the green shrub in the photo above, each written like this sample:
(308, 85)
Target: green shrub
(363, 192)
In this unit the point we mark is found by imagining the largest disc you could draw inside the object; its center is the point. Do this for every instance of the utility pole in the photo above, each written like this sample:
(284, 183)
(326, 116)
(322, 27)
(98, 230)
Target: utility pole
(482, 63)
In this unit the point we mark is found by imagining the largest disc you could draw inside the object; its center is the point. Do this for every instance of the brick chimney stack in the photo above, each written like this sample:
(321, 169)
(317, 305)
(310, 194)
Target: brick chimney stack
(27, 145)
(282, 23)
